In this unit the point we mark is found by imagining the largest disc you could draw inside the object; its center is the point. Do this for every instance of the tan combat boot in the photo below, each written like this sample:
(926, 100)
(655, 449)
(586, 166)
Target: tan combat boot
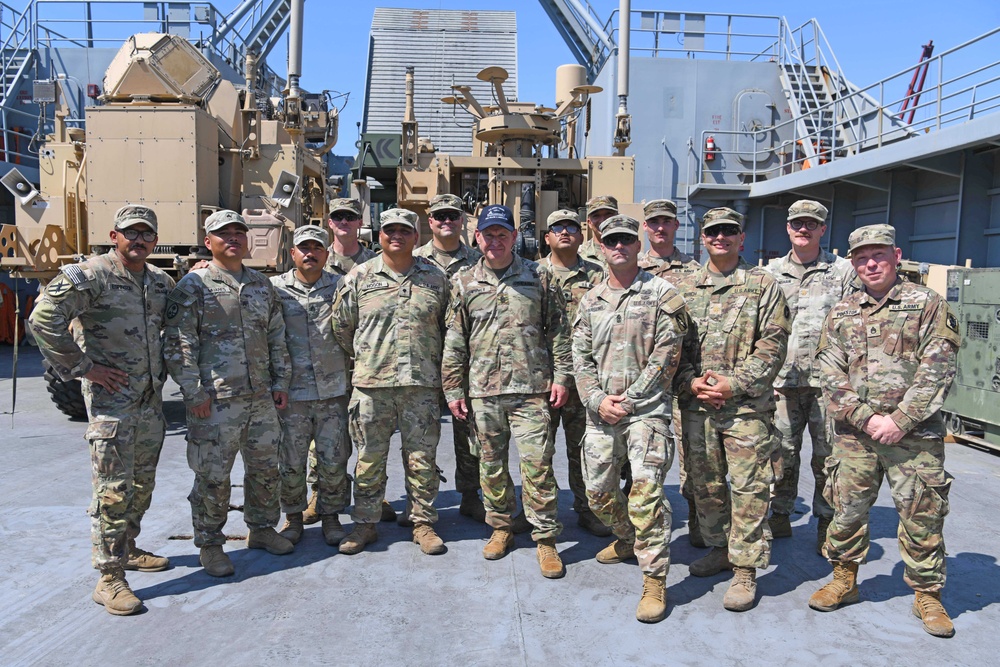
(472, 507)
(618, 551)
(821, 529)
(742, 589)
(114, 593)
(928, 608)
(694, 528)
(520, 523)
(781, 525)
(388, 514)
(333, 532)
(500, 542)
(653, 605)
(362, 535)
(548, 559)
(143, 561)
(269, 540)
(311, 516)
(292, 530)
(215, 561)
(716, 561)
(590, 523)
(842, 590)
(428, 540)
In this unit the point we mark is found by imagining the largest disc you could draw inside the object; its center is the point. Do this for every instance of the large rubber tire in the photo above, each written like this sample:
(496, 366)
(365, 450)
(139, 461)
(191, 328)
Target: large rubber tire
(68, 396)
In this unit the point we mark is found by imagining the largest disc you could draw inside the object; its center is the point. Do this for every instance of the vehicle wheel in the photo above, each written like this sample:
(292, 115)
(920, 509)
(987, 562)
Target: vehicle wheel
(68, 396)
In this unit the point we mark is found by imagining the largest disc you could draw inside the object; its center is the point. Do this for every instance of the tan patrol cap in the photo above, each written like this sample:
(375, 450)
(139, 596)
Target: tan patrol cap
(620, 224)
(398, 216)
(561, 215)
(871, 235)
(352, 205)
(220, 219)
(129, 215)
(446, 202)
(807, 208)
(721, 216)
(602, 201)
(663, 207)
(310, 233)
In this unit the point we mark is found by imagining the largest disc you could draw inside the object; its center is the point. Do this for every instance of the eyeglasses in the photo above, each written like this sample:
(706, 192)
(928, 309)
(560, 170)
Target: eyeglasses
(133, 234)
(559, 228)
(808, 224)
(725, 230)
(337, 216)
(446, 216)
(614, 240)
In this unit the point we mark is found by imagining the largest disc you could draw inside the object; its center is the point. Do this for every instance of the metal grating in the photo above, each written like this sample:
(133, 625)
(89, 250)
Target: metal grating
(977, 330)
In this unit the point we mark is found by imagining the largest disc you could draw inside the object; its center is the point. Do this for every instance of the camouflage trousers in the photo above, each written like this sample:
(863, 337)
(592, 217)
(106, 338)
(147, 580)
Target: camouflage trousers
(466, 453)
(643, 518)
(319, 425)
(574, 422)
(732, 514)
(799, 407)
(919, 485)
(125, 443)
(677, 438)
(526, 417)
(248, 426)
(374, 414)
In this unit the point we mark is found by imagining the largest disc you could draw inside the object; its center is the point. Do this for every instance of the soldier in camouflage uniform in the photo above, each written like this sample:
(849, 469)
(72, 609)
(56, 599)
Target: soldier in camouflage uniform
(225, 347)
(731, 356)
(345, 222)
(389, 316)
(887, 359)
(447, 250)
(599, 209)
(118, 300)
(317, 393)
(575, 276)
(663, 259)
(507, 350)
(626, 347)
(812, 280)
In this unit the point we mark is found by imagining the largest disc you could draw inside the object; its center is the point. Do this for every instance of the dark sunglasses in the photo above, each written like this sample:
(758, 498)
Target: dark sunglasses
(559, 228)
(614, 240)
(340, 215)
(808, 224)
(725, 230)
(133, 234)
(446, 216)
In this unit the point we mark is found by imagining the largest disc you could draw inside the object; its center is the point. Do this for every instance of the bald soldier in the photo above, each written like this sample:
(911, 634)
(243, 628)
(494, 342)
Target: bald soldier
(599, 209)
(887, 358)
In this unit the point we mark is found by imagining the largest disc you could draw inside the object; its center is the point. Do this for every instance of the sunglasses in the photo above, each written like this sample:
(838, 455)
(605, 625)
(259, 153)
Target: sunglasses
(446, 216)
(808, 224)
(725, 230)
(133, 234)
(340, 215)
(614, 240)
(559, 228)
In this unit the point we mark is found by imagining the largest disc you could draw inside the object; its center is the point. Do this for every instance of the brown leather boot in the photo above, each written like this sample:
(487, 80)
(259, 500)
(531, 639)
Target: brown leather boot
(428, 540)
(362, 535)
(742, 589)
(292, 530)
(388, 514)
(114, 594)
(333, 532)
(548, 559)
(311, 516)
(714, 562)
(653, 604)
(144, 561)
(839, 592)
(215, 561)
(269, 540)
(618, 551)
(928, 608)
(500, 542)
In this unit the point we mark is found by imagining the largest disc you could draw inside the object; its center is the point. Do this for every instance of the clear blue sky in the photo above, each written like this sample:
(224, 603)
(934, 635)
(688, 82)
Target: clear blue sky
(871, 39)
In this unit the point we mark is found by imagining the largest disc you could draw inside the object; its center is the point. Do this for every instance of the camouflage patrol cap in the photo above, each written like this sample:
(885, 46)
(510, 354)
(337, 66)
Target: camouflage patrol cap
(602, 201)
(563, 214)
(446, 202)
(220, 219)
(310, 233)
(398, 216)
(807, 208)
(352, 205)
(129, 215)
(664, 207)
(721, 216)
(871, 235)
(620, 224)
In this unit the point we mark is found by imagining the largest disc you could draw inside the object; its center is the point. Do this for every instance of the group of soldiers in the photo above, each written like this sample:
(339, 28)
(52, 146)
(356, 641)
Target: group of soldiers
(637, 354)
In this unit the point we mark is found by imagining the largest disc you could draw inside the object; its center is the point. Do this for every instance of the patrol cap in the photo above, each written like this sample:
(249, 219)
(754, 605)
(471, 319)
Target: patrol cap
(220, 219)
(446, 202)
(352, 205)
(311, 233)
(807, 208)
(871, 235)
(602, 201)
(563, 214)
(721, 216)
(129, 215)
(496, 214)
(398, 216)
(620, 224)
(663, 207)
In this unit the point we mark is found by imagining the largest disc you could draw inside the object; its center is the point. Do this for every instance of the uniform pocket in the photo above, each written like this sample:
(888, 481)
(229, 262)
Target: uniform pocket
(657, 437)
(106, 429)
(202, 440)
(930, 494)
(830, 488)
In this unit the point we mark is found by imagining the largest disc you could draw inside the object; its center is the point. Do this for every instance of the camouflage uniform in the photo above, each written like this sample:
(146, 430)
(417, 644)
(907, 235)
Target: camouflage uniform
(574, 282)
(591, 252)
(392, 325)
(894, 358)
(507, 343)
(341, 264)
(121, 321)
(629, 342)
(317, 396)
(811, 292)
(225, 341)
(740, 330)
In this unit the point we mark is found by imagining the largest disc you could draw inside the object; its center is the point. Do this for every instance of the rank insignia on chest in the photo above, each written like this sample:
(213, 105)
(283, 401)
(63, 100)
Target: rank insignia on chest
(874, 330)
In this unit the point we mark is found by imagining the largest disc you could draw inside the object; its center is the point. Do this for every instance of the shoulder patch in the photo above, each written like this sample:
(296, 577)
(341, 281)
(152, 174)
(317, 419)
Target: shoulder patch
(951, 322)
(675, 303)
(77, 274)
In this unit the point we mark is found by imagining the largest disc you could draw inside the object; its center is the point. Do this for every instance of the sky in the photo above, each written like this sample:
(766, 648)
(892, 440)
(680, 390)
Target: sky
(871, 40)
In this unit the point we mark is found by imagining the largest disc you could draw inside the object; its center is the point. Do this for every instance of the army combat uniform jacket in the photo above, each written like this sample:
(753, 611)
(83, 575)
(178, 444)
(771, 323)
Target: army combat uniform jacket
(575, 281)
(669, 268)
(225, 338)
(341, 264)
(591, 251)
(512, 333)
(450, 264)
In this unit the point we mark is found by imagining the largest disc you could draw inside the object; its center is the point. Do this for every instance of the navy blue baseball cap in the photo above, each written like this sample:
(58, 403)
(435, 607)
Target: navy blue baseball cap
(496, 214)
